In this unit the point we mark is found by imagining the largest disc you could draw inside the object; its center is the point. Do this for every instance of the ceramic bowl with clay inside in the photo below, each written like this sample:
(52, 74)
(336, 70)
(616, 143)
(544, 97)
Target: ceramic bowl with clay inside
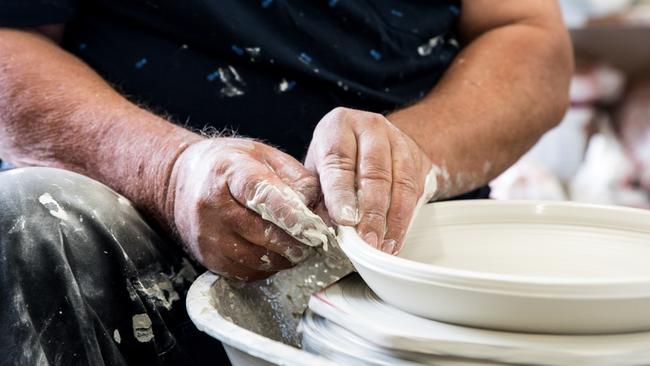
(540, 267)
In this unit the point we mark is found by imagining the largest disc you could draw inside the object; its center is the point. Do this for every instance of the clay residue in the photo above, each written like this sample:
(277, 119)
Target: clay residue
(273, 307)
(426, 48)
(117, 337)
(53, 206)
(142, 330)
(159, 289)
(290, 213)
(233, 83)
(18, 226)
(442, 176)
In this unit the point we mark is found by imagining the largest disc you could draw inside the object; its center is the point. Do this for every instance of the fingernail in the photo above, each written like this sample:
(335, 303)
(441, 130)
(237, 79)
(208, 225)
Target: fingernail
(371, 238)
(389, 246)
(348, 216)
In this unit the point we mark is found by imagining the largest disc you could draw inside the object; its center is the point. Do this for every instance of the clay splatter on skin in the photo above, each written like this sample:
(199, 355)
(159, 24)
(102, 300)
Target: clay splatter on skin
(441, 174)
(389, 246)
(462, 180)
(349, 214)
(294, 217)
(53, 206)
(487, 166)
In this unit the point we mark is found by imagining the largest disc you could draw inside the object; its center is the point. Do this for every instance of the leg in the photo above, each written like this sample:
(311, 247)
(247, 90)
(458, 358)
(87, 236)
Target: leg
(85, 281)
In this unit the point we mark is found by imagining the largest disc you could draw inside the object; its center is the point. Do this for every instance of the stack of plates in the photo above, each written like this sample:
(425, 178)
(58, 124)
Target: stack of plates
(555, 284)
(349, 324)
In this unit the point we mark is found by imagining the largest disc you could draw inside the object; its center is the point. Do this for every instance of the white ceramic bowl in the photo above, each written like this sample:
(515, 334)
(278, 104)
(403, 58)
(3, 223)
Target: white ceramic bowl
(542, 267)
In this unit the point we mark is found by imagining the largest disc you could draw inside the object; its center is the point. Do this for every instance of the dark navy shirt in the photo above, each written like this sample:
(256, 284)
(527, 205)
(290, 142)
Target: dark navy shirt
(268, 69)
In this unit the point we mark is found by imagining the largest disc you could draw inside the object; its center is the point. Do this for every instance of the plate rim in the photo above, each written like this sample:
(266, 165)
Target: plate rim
(633, 286)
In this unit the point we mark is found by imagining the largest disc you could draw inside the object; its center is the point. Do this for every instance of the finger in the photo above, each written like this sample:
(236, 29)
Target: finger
(218, 263)
(333, 155)
(295, 175)
(252, 228)
(250, 255)
(406, 190)
(256, 187)
(374, 176)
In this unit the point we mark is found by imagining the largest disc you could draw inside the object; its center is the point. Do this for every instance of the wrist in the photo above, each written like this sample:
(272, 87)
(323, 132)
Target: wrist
(163, 180)
(136, 154)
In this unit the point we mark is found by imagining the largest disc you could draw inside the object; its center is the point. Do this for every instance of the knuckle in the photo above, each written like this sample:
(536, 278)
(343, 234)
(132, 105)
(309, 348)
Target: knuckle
(374, 216)
(340, 111)
(334, 117)
(373, 120)
(307, 183)
(203, 204)
(337, 160)
(407, 185)
(377, 118)
(376, 173)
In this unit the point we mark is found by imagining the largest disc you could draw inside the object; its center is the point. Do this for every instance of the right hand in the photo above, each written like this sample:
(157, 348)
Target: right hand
(219, 191)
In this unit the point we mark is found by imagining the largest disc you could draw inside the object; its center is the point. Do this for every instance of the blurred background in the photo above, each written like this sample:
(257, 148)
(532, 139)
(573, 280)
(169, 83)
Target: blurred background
(600, 152)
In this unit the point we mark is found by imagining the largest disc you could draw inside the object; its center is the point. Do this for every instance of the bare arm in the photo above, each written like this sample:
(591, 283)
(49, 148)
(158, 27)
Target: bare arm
(56, 111)
(506, 88)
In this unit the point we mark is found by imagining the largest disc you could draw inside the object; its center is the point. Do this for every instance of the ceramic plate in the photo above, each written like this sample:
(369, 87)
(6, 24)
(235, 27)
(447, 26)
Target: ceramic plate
(550, 267)
(388, 332)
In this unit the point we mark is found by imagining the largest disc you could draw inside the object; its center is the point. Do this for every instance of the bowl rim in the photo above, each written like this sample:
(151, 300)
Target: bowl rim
(362, 253)
(206, 318)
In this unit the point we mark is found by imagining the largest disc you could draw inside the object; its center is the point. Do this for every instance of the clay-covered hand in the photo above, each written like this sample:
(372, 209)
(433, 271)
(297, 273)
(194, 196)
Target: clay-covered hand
(223, 195)
(371, 174)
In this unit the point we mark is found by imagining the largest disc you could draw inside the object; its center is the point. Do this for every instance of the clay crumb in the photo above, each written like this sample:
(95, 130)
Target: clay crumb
(142, 330)
(53, 206)
(117, 337)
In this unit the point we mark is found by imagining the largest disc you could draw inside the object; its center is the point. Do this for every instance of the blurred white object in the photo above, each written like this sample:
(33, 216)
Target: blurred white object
(605, 175)
(558, 155)
(600, 83)
(562, 149)
(527, 180)
(633, 126)
(640, 14)
(576, 13)
(539, 174)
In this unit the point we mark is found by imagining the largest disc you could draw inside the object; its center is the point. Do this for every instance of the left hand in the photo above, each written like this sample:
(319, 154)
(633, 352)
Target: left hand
(371, 174)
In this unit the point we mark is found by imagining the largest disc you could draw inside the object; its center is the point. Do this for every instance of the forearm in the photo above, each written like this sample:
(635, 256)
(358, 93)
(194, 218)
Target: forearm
(55, 111)
(502, 92)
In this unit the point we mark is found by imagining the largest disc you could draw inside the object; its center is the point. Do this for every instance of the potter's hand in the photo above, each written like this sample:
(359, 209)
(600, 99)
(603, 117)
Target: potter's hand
(223, 191)
(371, 174)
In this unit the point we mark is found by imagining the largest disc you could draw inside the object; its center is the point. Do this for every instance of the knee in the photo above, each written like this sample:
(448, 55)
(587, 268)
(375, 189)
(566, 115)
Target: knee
(62, 195)
(43, 209)
(46, 199)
